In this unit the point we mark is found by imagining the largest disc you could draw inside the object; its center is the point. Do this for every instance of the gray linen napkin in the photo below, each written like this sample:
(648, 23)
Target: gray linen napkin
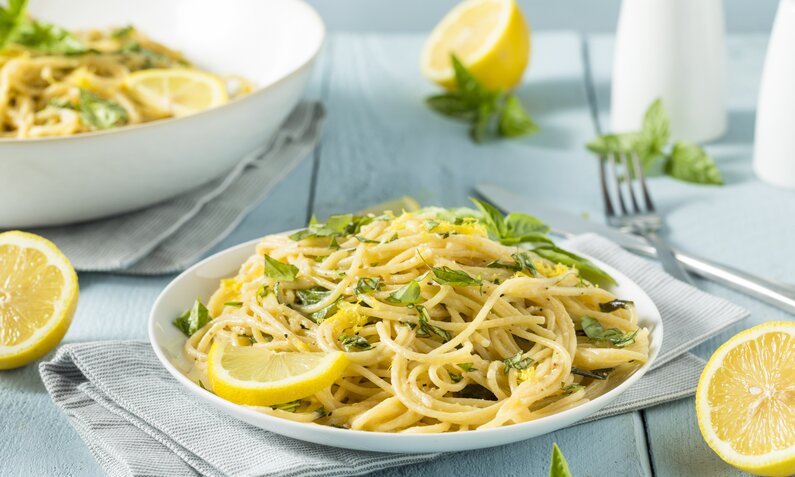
(171, 235)
(137, 420)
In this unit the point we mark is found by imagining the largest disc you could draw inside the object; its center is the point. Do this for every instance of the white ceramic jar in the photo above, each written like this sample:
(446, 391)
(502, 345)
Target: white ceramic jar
(774, 143)
(674, 50)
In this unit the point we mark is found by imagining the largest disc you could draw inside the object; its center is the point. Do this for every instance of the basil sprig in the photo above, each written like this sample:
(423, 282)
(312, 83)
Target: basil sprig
(684, 161)
(447, 276)
(193, 319)
(489, 113)
(408, 294)
(282, 272)
(595, 331)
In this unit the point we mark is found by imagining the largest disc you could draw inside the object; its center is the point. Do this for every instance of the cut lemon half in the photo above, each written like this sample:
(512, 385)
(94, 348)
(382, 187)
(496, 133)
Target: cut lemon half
(490, 37)
(38, 296)
(259, 377)
(745, 400)
(178, 91)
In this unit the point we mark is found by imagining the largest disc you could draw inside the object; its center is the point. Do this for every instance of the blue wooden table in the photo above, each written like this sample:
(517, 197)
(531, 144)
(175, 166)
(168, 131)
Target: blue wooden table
(382, 142)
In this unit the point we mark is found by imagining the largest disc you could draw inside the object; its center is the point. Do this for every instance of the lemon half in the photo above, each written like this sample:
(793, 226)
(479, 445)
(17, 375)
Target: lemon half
(490, 37)
(256, 376)
(177, 91)
(745, 400)
(38, 296)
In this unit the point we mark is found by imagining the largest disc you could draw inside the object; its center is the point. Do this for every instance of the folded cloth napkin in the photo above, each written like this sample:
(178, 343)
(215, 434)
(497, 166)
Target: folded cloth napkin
(171, 235)
(137, 420)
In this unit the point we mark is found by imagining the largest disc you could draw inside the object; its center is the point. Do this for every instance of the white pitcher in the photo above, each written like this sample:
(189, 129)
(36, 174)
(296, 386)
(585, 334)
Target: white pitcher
(774, 142)
(674, 50)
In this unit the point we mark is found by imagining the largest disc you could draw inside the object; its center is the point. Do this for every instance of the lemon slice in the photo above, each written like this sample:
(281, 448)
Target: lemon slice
(178, 91)
(746, 400)
(490, 37)
(259, 377)
(38, 296)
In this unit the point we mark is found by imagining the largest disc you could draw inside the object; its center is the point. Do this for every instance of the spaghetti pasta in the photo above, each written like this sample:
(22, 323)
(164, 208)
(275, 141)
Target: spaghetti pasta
(445, 328)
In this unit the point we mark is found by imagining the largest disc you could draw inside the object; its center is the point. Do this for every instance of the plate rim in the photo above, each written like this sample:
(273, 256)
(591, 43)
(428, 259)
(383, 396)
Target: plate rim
(398, 442)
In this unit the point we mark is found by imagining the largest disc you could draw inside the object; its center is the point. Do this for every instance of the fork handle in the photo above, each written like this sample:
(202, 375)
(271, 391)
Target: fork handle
(667, 258)
(774, 293)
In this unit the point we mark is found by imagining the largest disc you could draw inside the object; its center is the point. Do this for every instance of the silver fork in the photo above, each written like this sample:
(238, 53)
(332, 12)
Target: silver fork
(640, 220)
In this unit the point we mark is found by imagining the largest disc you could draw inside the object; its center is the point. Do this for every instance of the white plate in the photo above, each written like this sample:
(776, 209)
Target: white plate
(202, 279)
(60, 180)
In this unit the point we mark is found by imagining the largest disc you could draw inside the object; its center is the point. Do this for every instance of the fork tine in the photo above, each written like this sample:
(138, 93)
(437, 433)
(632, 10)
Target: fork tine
(617, 180)
(629, 180)
(608, 203)
(642, 180)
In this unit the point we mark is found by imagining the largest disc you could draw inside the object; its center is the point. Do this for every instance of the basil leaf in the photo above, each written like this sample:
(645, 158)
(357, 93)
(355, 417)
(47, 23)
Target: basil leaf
(525, 262)
(558, 467)
(425, 328)
(587, 269)
(476, 391)
(508, 266)
(123, 32)
(283, 272)
(408, 294)
(595, 331)
(11, 17)
(48, 38)
(690, 163)
(469, 88)
(456, 378)
(310, 296)
(492, 218)
(518, 224)
(367, 285)
(365, 240)
(516, 362)
(288, 406)
(151, 58)
(655, 132)
(514, 120)
(614, 305)
(447, 276)
(452, 105)
(236, 304)
(610, 144)
(355, 341)
(193, 319)
(100, 113)
(480, 125)
(600, 374)
(466, 367)
(571, 388)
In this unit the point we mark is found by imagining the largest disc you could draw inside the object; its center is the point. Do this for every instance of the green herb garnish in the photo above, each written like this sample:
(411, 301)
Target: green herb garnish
(283, 272)
(193, 319)
(514, 228)
(600, 374)
(586, 268)
(595, 331)
(571, 388)
(476, 391)
(456, 378)
(99, 113)
(310, 296)
(288, 406)
(355, 341)
(368, 285)
(447, 276)
(614, 305)
(466, 367)
(558, 466)
(426, 329)
(516, 362)
(236, 304)
(364, 239)
(489, 113)
(684, 161)
(408, 294)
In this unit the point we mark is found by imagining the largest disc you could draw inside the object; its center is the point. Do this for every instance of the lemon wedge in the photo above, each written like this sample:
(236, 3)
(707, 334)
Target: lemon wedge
(745, 400)
(38, 296)
(259, 377)
(178, 91)
(490, 37)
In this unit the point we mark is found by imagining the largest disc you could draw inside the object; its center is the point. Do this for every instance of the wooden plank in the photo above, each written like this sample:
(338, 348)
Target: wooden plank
(740, 213)
(117, 307)
(382, 142)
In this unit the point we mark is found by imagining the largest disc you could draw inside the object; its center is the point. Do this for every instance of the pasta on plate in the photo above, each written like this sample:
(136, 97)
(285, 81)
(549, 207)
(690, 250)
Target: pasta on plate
(451, 320)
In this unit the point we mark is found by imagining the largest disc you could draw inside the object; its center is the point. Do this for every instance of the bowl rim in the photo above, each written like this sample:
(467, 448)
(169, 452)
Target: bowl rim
(454, 441)
(310, 12)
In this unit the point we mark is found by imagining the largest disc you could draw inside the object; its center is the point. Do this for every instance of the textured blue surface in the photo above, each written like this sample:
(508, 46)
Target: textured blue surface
(382, 142)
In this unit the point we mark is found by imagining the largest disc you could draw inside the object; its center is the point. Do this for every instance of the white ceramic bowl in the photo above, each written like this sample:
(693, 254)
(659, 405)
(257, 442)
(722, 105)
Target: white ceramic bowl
(62, 180)
(203, 278)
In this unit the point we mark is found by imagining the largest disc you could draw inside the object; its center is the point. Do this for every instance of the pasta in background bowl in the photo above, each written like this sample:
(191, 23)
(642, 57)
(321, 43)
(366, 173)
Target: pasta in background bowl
(471, 353)
(105, 171)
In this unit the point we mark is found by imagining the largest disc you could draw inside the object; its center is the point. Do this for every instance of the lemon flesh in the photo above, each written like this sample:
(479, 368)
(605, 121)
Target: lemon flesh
(38, 297)
(490, 37)
(177, 92)
(746, 400)
(256, 376)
